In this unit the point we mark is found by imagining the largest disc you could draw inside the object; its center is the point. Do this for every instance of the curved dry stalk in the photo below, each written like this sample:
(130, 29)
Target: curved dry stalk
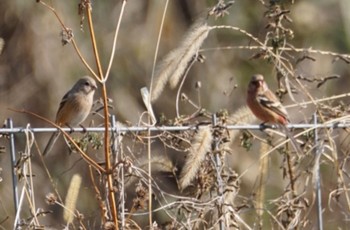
(318, 100)
(180, 88)
(67, 30)
(276, 58)
(284, 142)
(200, 146)
(271, 150)
(285, 71)
(342, 56)
(82, 153)
(147, 102)
(277, 61)
(98, 197)
(115, 40)
(24, 173)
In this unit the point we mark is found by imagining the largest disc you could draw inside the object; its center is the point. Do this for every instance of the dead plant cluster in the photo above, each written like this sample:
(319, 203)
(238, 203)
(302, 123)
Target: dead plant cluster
(199, 169)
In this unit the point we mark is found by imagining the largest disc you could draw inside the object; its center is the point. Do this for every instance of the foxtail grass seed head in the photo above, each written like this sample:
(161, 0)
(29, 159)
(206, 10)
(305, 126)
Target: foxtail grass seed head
(174, 65)
(243, 115)
(71, 198)
(200, 146)
(2, 44)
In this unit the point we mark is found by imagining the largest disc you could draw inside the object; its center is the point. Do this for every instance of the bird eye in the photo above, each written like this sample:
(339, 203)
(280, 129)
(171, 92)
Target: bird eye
(86, 83)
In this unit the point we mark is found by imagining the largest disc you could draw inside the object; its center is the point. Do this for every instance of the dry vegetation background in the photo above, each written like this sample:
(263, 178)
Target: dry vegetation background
(253, 189)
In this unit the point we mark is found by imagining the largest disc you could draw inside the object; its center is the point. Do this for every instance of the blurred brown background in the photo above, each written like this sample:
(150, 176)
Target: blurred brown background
(36, 70)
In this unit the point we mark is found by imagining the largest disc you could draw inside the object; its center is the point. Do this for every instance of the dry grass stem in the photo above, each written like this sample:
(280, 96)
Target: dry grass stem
(228, 179)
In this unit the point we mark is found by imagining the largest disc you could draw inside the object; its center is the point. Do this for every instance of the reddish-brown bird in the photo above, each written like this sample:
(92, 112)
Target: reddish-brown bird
(265, 106)
(263, 103)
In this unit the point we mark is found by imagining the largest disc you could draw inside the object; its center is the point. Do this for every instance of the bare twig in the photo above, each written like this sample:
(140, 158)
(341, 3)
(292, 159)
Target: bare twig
(111, 192)
(67, 30)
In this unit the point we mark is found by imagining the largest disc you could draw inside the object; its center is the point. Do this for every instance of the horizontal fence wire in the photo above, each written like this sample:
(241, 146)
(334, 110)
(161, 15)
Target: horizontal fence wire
(119, 128)
(169, 128)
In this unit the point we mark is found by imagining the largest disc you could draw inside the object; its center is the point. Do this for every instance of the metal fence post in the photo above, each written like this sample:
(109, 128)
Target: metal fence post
(218, 165)
(9, 124)
(318, 153)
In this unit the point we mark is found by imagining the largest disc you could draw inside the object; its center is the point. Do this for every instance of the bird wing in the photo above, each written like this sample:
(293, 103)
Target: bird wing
(272, 104)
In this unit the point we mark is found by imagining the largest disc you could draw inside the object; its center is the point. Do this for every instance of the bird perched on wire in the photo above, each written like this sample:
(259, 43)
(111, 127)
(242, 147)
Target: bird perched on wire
(75, 106)
(265, 105)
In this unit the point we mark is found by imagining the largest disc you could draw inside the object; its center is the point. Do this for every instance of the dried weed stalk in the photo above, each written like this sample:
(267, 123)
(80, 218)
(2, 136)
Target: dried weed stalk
(216, 186)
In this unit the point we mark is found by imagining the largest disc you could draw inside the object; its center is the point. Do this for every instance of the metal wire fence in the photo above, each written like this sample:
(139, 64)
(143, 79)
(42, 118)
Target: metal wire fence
(10, 129)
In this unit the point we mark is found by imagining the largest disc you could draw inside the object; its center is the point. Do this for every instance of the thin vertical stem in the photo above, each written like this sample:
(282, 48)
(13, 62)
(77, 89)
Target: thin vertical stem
(98, 195)
(122, 196)
(290, 173)
(149, 176)
(118, 157)
(13, 165)
(182, 83)
(114, 144)
(157, 48)
(115, 41)
(319, 150)
(93, 40)
(111, 195)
